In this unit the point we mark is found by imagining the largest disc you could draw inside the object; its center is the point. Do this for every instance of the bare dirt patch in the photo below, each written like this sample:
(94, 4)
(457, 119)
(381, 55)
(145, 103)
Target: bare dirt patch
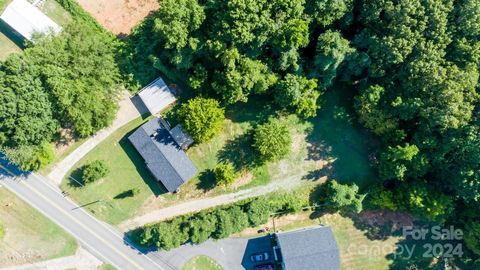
(119, 16)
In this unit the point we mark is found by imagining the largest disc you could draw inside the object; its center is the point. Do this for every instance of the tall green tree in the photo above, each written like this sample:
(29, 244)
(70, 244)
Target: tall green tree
(272, 140)
(299, 93)
(202, 118)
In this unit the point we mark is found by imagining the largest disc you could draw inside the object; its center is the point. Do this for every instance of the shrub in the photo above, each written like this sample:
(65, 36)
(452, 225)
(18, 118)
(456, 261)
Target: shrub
(202, 118)
(94, 171)
(225, 174)
(135, 191)
(259, 211)
(202, 227)
(272, 140)
(230, 221)
(343, 197)
(165, 235)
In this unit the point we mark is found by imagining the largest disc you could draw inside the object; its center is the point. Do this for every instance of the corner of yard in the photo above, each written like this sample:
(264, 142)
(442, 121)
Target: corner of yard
(29, 236)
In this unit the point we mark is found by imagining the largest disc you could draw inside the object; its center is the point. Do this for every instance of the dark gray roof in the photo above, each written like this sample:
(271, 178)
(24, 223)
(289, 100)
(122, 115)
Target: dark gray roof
(167, 162)
(311, 248)
(182, 138)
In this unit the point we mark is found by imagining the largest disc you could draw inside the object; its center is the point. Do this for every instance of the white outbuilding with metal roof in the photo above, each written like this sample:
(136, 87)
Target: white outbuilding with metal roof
(26, 19)
(156, 96)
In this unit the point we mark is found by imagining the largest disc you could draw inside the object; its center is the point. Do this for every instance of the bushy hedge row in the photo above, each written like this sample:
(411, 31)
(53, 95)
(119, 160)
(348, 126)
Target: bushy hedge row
(220, 222)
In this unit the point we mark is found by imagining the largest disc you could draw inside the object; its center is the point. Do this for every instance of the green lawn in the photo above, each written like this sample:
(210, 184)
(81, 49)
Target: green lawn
(337, 135)
(201, 263)
(29, 236)
(7, 46)
(127, 171)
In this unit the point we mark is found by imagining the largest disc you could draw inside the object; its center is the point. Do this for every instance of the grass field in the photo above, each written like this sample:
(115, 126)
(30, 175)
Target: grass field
(201, 263)
(29, 236)
(124, 175)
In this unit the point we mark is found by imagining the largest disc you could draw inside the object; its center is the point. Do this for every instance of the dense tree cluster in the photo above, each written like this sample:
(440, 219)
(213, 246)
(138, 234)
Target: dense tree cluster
(67, 80)
(231, 50)
(220, 222)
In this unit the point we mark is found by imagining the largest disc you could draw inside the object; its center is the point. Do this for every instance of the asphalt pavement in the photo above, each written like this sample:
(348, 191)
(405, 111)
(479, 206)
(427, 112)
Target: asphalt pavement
(102, 240)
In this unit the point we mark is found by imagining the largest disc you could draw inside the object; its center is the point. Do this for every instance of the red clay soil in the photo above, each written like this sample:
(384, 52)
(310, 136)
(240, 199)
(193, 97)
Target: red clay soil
(119, 16)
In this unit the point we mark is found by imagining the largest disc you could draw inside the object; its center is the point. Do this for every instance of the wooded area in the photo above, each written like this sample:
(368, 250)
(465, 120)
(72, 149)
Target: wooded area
(412, 67)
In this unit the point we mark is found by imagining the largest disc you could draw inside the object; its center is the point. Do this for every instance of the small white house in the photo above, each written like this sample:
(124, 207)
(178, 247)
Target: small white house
(156, 96)
(26, 19)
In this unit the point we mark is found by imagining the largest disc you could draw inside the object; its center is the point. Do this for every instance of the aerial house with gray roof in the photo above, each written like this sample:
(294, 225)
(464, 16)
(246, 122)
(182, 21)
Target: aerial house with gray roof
(307, 249)
(164, 157)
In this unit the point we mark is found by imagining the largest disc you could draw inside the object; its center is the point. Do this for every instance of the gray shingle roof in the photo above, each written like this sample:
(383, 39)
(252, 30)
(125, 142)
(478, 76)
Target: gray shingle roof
(167, 162)
(311, 248)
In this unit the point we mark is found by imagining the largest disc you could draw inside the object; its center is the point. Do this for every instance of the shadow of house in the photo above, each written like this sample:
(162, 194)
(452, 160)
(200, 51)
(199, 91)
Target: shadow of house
(11, 34)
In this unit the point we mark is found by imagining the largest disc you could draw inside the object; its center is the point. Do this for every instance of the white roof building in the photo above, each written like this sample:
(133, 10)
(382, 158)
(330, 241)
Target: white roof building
(156, 96)
(26, 19)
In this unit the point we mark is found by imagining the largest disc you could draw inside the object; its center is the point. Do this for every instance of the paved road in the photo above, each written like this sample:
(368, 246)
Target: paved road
(99, 238)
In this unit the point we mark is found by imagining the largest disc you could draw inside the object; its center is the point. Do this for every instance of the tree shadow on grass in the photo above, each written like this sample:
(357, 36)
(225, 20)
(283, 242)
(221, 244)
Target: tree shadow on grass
(239, 152)
(125, 194)
(258, 109)
(207, 180)
(140, 166)
(75, 179)
(345, 143)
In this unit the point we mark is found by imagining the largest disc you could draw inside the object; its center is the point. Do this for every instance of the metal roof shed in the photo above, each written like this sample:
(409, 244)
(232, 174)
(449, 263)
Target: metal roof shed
(26, 19)
(156, 96)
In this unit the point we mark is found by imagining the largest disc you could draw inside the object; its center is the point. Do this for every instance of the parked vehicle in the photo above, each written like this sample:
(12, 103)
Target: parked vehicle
(264, 267)
(259, 257)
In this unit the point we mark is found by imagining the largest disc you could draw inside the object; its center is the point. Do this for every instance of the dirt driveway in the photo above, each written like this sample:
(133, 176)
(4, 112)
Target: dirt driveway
(119, 16)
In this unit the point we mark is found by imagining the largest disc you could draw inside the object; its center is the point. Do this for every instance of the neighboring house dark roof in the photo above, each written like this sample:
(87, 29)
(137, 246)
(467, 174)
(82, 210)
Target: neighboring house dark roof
(311, 248)
(167, 162)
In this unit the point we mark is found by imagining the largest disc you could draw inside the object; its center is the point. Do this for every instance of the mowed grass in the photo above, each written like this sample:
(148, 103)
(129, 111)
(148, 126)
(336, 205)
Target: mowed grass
(357, 252)
(7, 46)
(127, 171)
(29, 236)
(201, 263)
